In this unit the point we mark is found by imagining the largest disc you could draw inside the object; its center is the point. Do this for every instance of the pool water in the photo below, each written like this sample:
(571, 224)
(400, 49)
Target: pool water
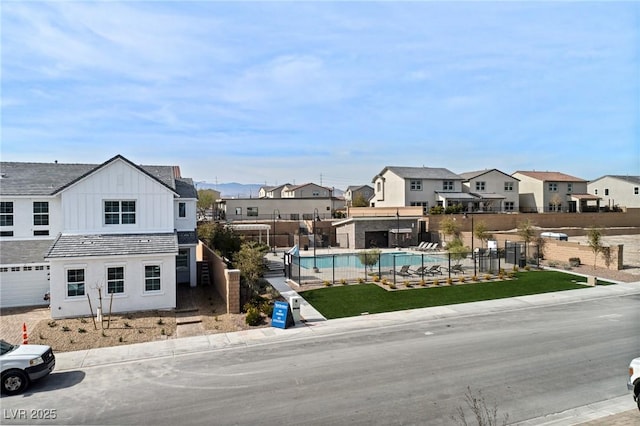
(353, 261)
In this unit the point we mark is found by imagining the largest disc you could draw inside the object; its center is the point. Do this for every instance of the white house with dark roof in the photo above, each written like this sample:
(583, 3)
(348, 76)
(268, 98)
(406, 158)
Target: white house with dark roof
(418, 186)
(128, 230)
(554, 192)
(617, 190)
(495, 191)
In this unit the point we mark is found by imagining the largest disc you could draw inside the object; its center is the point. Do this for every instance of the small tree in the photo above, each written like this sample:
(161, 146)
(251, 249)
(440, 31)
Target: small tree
(594, 238)
(457, 249)
(527, 232)
(483, 413)
(249, 260)
(480, 232)
(369, 258)
(449, 227)
(206, 199)
(220, 238)
(359, 201)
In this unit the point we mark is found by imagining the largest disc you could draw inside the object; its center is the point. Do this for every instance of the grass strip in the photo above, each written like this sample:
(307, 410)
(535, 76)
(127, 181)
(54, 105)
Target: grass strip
(353, 300)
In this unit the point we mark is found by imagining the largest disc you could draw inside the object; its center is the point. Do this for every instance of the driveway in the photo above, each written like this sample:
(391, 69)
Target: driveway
(11, 320)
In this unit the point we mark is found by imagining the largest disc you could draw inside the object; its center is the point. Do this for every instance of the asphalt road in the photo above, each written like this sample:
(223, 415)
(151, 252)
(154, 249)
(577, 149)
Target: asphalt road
(531, 362)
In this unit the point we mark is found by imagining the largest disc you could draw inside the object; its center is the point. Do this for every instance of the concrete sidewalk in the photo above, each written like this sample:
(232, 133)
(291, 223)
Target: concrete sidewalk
(619, 410)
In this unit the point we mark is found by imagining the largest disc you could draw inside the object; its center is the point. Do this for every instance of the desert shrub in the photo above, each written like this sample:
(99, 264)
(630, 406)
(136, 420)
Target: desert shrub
(392, 286)
(376, 278)
(343, 281)
(360, 280)
(474, 278)
(253, 316)
(52, 324)
(266, 308)
(461, 279)
(449, 280)
(326, 283)
(574, 261)
(65, 328)
(82, 330)
(436, 281)
(407, 283)
(487, 277)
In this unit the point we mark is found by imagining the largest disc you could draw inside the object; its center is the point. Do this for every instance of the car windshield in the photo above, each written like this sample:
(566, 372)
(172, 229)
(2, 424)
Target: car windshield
(6, 347)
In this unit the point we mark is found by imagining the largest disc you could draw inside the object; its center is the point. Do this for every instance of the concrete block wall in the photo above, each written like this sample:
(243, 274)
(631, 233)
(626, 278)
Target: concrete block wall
(562, 251)
(225, 281)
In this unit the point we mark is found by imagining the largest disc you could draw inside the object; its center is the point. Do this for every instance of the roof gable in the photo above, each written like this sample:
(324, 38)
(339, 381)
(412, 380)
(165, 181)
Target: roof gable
(467, 176)
(634, 180)
(435, 173)
(549, 176)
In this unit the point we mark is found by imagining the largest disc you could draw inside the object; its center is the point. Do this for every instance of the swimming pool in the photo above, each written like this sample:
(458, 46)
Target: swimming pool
(387, 260)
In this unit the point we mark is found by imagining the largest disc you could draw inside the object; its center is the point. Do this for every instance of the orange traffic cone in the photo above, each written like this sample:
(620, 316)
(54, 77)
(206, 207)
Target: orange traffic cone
(25, 339)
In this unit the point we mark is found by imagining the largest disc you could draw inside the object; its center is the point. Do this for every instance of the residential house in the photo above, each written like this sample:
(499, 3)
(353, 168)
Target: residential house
(272, 191)
(77, 231)
(494, 191)
(617, 190)
(418, 186)
(355, 192)
(554, 192)
(307, 190)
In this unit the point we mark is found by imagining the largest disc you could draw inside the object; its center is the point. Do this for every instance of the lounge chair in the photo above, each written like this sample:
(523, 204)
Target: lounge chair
(434, 247)
(457, 269)
(404, 271)
(423, 270)
(420, 246)
(434, 269)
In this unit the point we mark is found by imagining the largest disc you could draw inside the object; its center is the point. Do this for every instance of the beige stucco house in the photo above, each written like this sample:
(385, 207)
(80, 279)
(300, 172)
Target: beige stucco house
(495, 191)
(554, 192)
(418, 186)
(617, 190)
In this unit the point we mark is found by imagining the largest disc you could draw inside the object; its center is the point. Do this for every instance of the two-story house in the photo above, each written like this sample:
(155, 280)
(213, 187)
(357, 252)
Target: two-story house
(419, 186)
(554, 192)
(72, 230)
(617, 190)
(358, 192)
(495, 191)
(271, 191)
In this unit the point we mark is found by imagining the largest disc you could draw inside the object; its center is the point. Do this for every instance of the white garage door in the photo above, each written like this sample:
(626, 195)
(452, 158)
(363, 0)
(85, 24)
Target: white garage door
(23, 286)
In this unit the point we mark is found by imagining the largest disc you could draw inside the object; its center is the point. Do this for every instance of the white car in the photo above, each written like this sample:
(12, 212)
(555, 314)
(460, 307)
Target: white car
(22, 364)
(634, 380)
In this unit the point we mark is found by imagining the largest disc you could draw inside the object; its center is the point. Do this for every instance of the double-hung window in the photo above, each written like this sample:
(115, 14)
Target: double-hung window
(553, 187)
(447, 185)
(6, 213)
(480, 185)
(115, 279)
(151, 277)
(40, 213)
(119, 212)
(415, 185)
(75, 282)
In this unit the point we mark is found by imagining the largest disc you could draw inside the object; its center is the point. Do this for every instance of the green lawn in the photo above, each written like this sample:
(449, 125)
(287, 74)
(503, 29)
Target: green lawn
(340, 301)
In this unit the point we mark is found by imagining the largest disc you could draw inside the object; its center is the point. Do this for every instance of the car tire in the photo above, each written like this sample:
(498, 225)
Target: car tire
(14, 382)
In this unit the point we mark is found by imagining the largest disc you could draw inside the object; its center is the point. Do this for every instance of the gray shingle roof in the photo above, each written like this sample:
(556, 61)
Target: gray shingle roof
(113, 245)
(49, 178)
(24, 251)
(421, 173)
(626, 178)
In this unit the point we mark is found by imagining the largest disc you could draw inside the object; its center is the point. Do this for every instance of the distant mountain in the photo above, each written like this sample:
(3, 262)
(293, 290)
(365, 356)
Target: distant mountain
(233, 189)
(243, 190)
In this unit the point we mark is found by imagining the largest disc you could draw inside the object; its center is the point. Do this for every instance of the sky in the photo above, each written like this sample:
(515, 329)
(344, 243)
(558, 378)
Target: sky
(325, 92)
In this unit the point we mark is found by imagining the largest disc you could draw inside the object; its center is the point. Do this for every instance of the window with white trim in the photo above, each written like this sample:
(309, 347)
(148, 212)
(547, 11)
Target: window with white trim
(115, 279)
(6, 213)
(480, 185)
(119, 212)
(553, 186)
(152, 278)
(182, 209)
(508, 186)
(447, 185)
(415, 185)
(509, 206)
(75, 282)
(569, 187)
(40, 213)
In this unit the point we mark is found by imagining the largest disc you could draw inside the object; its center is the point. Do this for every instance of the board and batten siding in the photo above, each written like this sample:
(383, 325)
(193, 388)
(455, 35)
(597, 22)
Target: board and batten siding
(82, 203)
